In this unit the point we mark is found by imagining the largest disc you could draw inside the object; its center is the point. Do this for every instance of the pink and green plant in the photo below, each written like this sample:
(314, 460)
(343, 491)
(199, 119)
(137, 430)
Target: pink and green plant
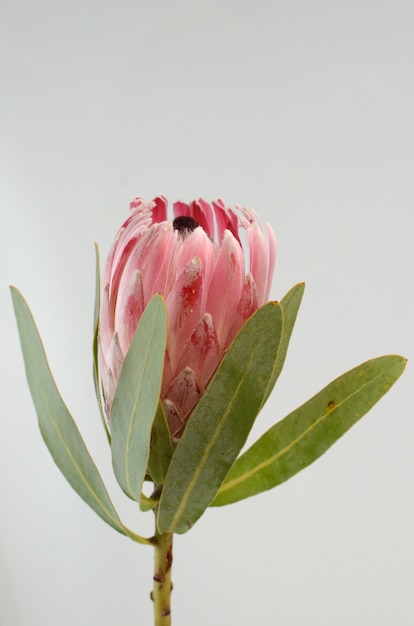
(186, 351)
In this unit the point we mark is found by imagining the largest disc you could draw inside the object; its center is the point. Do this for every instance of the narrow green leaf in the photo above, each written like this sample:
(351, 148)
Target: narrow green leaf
(221, 422)
(290, 305)
(136, 398)
(161, 448)
(305, 434)
(57, 426)
(95, 345)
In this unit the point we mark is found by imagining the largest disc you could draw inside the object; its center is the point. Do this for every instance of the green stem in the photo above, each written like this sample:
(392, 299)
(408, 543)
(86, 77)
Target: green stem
(161, 593)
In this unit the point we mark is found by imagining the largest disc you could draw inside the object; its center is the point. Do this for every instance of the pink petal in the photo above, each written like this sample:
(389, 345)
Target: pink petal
(117, 271)
(248, 304)
(206, 217)
(184, 393)
(249, 301)
(136, 224)
(181, 209)
(129, 309)
(132, 256)
(135, 203)
(202, 352)
(159, 211)
(175, 423)
(259, 259)
(249, 216)
(168, 375)
(200, 211)
(196, 245)
(272, 259)
(108, 389)
(110, 375)
(226, 220)
(155, 259)
(125, 243)
(226, 286)
(184, 306)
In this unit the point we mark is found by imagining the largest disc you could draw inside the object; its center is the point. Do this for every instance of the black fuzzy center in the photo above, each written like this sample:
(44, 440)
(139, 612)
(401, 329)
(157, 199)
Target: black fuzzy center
(185, 225)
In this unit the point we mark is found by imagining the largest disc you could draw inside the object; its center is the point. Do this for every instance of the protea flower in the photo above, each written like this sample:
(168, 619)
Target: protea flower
(210, 286)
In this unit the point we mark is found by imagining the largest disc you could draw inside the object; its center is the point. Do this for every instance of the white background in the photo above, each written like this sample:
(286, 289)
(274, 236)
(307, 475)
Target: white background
(302, 110)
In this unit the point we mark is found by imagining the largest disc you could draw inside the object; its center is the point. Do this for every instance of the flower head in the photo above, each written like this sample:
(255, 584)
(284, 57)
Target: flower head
(197, 263)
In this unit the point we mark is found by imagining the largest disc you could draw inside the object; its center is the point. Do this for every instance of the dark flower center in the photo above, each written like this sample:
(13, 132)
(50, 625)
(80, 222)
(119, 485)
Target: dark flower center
(185, 225)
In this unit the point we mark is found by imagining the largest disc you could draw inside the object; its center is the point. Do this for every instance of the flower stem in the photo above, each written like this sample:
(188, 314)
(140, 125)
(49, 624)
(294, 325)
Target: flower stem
(161, 593)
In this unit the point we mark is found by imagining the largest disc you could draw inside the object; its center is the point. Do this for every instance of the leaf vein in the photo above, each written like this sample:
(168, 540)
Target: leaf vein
(213, 440)
(257, 468)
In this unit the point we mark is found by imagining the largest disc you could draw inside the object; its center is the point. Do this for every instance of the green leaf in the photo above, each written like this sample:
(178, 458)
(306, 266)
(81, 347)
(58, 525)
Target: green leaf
(161, 447)
(221, 421)
(305, 434)
(290, 305)
(96, 380)
(57, 426)
(136, 398)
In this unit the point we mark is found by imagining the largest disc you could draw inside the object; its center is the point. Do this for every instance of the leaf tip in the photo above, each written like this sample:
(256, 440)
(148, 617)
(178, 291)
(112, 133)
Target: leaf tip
(402, 359)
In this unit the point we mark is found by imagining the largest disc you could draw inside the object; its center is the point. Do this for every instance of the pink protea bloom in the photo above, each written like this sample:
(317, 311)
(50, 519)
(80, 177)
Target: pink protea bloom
(197, 263)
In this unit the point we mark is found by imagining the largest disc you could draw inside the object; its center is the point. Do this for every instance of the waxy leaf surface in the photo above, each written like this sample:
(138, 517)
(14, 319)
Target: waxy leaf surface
(136, 398)
(221, 421)
(96, 379)
(305, 434)
(290, 305)
(57, 426)
(161, 448)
